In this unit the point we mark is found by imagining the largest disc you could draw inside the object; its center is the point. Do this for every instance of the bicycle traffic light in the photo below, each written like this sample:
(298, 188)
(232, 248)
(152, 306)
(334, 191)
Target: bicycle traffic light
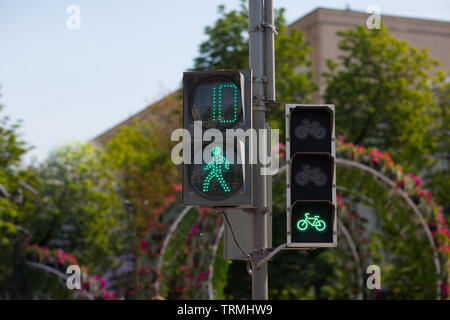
(310, 176)
(217, 113)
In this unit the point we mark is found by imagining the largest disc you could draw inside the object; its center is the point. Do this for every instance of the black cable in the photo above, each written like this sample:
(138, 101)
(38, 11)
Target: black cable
(235, 241)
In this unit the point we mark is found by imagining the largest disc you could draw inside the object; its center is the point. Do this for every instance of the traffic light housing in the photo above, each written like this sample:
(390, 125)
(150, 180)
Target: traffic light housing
(217, 176)
(310, 176)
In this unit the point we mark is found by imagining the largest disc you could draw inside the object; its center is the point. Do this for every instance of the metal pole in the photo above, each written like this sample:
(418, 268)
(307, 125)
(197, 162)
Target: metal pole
(256, 48)
(270, 49)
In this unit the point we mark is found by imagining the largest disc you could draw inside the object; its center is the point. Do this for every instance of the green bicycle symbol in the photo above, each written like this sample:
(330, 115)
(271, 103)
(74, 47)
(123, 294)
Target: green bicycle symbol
(314, 221)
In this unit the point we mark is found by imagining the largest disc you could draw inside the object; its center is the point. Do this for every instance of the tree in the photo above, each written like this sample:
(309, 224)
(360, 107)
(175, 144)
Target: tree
(12, 148)
(141, 157)
(381, 89)
(439, 177)
(15, 201)
(227, 48)
(78, 208)
(227, 44)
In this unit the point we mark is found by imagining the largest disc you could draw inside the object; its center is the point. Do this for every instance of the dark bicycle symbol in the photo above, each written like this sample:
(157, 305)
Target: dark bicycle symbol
(313, 175)
(308, 127)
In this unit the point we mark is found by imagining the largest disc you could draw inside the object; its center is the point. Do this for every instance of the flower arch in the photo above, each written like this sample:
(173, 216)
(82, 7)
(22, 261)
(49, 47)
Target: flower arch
(55, 262)
(197, 276)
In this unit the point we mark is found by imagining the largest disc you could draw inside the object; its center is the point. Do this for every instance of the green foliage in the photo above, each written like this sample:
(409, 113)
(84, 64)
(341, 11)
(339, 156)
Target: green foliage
(227, 44)
(227, 48)
(11, 146)
(293, 72)
(439, 178)
(78, 209)
(141, 157)
(292, 63)
(381, 89)
(12, 149)
(220, 272)
(187, 258)
(398, 241)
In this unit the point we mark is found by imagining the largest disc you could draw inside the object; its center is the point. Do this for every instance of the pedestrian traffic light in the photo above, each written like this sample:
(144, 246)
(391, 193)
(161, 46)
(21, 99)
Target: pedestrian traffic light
(217, 118)
(310, 176)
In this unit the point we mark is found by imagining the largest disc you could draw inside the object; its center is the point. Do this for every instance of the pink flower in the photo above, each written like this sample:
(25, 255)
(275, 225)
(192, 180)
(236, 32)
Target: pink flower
(103, 282)
(194, 229)
(178, 187)
(171, 199)
(158, 211)
(189, 275)
(114, 296)
(106, 295)
(144, 244)
(444, 288)
(444, 247)
(86, 284)
(421, 194)
(418, 181)
(429, 199)
(184, 268)
(141, 270)
(401, 183)
(203, 211)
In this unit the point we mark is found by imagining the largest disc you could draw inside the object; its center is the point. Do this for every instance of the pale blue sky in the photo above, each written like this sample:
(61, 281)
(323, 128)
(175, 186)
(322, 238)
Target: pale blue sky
(74, 84)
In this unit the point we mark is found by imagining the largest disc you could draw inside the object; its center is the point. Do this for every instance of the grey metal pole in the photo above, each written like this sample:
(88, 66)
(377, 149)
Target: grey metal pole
(270, 49)
(256, 48)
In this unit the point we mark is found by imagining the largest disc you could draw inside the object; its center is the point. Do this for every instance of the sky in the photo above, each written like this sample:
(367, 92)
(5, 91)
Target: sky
(73, 84)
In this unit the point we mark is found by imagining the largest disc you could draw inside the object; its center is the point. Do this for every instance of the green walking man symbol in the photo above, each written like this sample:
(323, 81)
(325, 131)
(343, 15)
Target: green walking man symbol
(215, 167)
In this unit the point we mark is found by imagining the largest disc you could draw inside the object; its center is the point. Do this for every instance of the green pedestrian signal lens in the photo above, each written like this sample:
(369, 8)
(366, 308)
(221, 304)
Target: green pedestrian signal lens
(215, 167)
(217, 178)
(314, 222)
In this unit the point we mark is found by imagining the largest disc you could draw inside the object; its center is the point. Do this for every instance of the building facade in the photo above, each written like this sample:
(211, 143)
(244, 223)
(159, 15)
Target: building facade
(320, 27)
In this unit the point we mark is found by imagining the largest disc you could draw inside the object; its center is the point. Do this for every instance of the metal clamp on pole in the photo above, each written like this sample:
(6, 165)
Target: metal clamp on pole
(259, 105)
(271, 27)
(270, 255)
(262, 80)
(258, 28)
